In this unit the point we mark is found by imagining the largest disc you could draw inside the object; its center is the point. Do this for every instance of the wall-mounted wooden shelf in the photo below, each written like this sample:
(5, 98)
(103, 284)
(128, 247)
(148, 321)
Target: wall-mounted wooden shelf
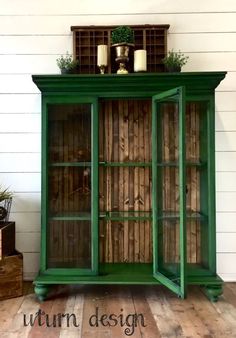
(153, 38)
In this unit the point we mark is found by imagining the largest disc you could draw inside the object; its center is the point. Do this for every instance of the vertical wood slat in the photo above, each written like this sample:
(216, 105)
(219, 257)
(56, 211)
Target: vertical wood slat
(115, 193)
(109, 199)
(136, 182)
(166, 182)
(101, 184)
(121, 178)
(176, 199)
(198, 235)
(172, 177)
(141, 183)
(189, 175)
(131, 180)
(126, 178)
(147, 139)
(193, 180)
(128, 198)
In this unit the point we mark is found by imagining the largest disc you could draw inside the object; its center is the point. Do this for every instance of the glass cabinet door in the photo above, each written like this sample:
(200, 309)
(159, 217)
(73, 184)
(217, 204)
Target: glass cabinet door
(71, 184)
(169, 189)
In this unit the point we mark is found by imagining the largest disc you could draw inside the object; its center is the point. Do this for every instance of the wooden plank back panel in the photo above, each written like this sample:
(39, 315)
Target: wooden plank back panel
(171, 185)
(126, 129)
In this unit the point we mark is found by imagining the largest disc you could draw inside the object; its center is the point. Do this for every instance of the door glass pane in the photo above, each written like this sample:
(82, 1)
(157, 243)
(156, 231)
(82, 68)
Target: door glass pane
(69, 190)
(169, 196)
(169, 189)
(169, 257)
(169, 129)
(69, 132)
(69, 186)
(69, 244)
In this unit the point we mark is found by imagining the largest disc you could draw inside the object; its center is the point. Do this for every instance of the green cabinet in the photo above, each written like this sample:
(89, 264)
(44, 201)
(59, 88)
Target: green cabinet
(128, 180)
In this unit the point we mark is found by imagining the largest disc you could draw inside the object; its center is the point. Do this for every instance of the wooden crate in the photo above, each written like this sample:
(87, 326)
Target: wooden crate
(7, 238)
(11, 276)
(153, 38)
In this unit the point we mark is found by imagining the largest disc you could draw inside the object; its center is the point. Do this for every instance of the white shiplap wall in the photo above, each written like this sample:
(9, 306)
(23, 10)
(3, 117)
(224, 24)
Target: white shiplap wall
(34, 33)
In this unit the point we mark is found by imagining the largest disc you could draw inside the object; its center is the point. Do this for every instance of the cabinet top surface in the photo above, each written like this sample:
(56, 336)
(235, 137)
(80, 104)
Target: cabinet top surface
(134, 83)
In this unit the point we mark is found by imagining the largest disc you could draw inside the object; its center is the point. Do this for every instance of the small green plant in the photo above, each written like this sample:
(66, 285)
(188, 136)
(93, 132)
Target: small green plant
(122, 34)
(174, 61)
(5, 194)
(66, 63)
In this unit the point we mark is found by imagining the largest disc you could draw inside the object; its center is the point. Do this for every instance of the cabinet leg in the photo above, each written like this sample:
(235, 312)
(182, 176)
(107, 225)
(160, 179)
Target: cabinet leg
(41, 291)
(213, 291)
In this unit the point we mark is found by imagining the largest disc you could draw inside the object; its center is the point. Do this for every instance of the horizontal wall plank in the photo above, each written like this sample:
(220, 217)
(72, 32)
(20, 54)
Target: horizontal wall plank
(228, 84)
(226, 161)
(26, 222)
(22, 182)
(226, 181)
(30, 64)
(26, 202)
(123, 7)
(226, 262)
(20, 143)
(31, 262)
(28, 242)
(225, 201)
(35, 44)
(60, 44)
(18, 84)
(179, 23)
(46, 64)
(225, 101)
(209, 62)
(226, 141)
(20, 162)
(18, 123)
(202, 42)
(225, 242)
(225, 121)
(226, 221)
(20, 103)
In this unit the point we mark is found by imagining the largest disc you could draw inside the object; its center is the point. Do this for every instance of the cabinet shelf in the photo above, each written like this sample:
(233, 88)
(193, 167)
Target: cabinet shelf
(149, 164)
(70, 164)
(71, 216)
(147, 215)
(125, 164)
(125, 215)
(176, 164)
(190, 215)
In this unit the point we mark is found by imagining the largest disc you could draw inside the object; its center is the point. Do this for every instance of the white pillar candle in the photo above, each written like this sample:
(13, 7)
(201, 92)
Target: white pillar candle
(140, 60)
(102, 55)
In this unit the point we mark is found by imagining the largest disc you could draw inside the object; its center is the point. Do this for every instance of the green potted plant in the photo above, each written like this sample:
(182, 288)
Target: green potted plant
(122, 35)
(174, 61)
(5, 202)
(66, 64)
(122, 38)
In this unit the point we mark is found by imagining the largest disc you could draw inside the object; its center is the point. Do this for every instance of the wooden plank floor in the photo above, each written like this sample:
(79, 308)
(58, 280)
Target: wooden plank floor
(164, 315)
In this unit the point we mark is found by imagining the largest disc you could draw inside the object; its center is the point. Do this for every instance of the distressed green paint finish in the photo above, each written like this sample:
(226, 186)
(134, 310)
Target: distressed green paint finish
(182, 192)
(130, 85)
(174, 95)
(211, 185)
(94, 182)
(44, 185)
(46, 100)
(200, 86)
